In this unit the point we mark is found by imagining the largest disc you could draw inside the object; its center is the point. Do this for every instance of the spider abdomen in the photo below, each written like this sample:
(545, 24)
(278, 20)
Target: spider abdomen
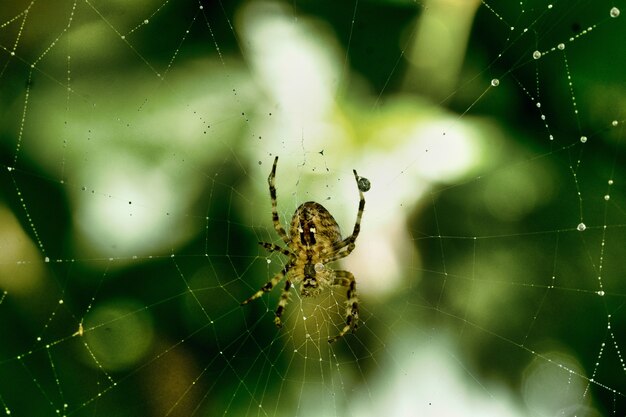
(312, 226)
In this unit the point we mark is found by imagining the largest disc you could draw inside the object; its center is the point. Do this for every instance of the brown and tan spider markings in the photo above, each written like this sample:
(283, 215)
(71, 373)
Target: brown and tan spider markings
(314, 240)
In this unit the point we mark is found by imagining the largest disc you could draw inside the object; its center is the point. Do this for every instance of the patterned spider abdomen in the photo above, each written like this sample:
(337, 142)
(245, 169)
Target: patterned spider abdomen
(312, 226)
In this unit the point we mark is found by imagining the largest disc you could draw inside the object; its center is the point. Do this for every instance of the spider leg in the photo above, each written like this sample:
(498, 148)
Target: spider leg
(282, 303)
(349, 241)
(268, 285)
(272, 183)
(346, 279)
(341, 253)
(275, 248)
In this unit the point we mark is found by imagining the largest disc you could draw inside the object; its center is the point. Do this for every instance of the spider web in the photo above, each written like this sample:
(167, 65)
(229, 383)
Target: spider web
(136, 141)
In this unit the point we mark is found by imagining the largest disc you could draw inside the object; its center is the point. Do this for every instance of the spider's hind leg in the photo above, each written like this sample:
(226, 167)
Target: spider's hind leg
(271, 180)
(346, 279)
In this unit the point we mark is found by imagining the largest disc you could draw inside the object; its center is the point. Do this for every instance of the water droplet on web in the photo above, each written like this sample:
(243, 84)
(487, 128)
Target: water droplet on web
(614, 123)
(10, 169)
(46, 259)
(495, 82)
(536, 55)
(581, 227)
(583, 139)
(538, 104)
(600, 293)
(607, 197)
(363, 184)
(614, 12)
(610, 182)
(561, 46)
(146, 21)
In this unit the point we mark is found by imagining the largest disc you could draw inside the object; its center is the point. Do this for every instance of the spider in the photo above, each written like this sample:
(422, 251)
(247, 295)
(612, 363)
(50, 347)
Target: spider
(314, 240)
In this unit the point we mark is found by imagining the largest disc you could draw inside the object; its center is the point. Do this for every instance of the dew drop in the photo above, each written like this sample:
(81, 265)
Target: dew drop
(146, 21)
(600, 293)
(495, 82)
(614, 12)
(561, 46)
(607, 197)
(583, 139)
(581, 227)
(536, 55)
(364, 184)
(614, 123)
(610, 182)
(12, 53)
(538, 104)
(46, 259)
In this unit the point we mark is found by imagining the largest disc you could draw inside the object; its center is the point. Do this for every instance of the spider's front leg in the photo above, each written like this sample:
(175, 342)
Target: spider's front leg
(282, 303)
(268, 285)
(346, 279)
(284, 297)
(275, 248)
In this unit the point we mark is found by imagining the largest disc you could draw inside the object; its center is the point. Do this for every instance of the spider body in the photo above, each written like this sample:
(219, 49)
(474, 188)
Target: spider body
(313, 234)
(313, 241)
